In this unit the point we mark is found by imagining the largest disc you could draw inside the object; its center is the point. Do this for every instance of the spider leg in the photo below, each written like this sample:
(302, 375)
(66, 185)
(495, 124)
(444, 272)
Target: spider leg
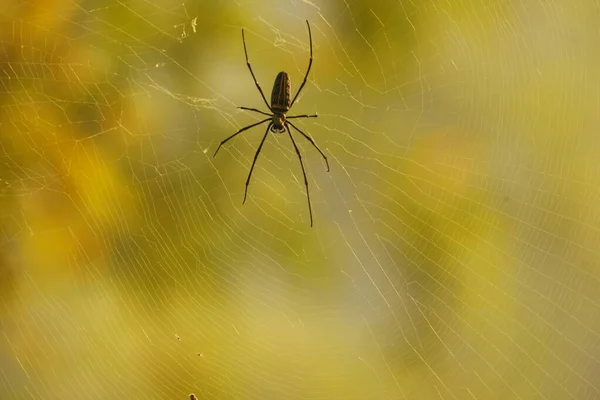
(254, 161)
(309, 65)
(238, 132)
(303, 173)
(303, 116)
(255, 110)
(311, 142)
(252, 72)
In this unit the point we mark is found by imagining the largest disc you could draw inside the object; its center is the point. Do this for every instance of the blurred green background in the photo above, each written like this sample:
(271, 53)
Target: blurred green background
(455, 252)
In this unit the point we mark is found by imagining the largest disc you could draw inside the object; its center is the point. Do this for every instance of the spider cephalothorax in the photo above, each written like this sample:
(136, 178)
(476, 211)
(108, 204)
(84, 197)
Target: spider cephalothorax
(280, 105)
(278, 123)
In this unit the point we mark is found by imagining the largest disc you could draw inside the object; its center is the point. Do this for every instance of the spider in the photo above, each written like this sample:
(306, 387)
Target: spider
(279, 121)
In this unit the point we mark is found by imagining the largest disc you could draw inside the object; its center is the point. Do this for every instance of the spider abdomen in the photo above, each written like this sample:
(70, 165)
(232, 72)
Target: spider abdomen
(280, 97)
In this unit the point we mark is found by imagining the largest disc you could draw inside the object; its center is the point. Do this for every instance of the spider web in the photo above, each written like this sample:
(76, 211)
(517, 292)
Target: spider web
(455, 247)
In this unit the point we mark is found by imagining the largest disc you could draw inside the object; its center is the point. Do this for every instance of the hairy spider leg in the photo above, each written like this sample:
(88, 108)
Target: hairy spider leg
(311, 142)
(255, 110)
(309, 65)
(303, 173)
(302, 116)
(254, 161)
(238, 132)
(252, 72)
